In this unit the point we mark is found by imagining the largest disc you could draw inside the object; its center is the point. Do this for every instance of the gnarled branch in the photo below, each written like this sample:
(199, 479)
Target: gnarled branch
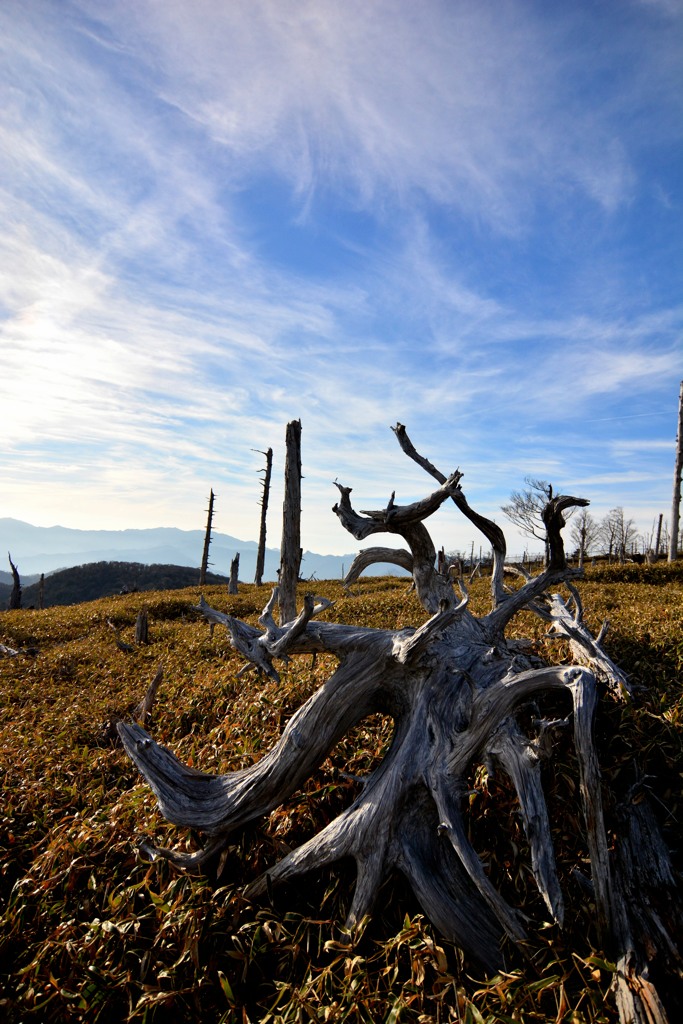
(453, 687)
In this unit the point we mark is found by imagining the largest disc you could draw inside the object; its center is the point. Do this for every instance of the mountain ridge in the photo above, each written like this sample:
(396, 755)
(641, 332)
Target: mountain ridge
(104, 579)
(47, 549)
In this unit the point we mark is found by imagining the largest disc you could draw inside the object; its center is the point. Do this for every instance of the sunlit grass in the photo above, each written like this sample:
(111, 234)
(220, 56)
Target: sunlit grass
(92, 933)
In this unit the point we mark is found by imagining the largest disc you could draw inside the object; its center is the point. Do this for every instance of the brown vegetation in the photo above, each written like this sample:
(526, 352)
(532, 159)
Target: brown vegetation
(90, 931)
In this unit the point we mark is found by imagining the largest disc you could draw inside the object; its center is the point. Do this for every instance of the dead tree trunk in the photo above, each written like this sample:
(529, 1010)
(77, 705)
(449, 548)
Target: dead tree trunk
(15, 594)
(453, 686)
(261, 555)
(234, 574)
(290, 550)
(207, 541)
(678, 469)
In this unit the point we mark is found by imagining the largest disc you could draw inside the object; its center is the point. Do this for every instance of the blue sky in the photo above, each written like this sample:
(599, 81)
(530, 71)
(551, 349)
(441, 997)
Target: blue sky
(220, 216)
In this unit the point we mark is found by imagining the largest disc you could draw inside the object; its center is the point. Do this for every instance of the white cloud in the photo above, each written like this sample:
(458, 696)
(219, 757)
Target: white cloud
(481, 106)
(158, 337)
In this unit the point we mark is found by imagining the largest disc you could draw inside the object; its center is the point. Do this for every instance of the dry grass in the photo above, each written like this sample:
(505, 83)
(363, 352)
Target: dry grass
(90, 932)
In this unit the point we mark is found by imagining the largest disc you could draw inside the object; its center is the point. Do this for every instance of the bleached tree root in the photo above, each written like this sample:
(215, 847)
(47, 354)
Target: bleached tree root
(453, 687)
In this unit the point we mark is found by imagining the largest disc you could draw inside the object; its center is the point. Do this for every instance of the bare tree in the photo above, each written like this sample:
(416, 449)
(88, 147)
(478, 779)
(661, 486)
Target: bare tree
(290, 550)
(609, 533)
(652, 541)
(633, 540)
(584, 533)
(678, 469)
(261, 555)
(666, 540)
(15, 594)
(525, 510)
(453, 686)
(617, 534)
(207, 541)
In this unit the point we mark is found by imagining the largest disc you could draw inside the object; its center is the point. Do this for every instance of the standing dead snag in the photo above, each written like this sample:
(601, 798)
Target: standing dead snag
(261, 555)
(290, 551)
(233, 584)
(453, 687)
(142, 627)
(207, 541)
(15, 594)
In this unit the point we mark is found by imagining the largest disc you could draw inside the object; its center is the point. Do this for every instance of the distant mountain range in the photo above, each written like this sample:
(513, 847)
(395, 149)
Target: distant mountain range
(45, 549)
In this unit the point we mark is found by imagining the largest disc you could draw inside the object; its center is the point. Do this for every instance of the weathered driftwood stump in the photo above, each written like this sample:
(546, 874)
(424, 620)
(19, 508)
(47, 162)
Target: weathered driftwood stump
(452, 687)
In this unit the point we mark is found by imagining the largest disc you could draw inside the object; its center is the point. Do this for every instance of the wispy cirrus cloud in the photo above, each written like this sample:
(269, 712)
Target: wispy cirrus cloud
(485, 97)
(218, 217)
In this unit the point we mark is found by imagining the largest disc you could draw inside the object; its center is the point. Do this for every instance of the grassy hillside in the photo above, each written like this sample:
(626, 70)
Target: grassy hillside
(90, 932)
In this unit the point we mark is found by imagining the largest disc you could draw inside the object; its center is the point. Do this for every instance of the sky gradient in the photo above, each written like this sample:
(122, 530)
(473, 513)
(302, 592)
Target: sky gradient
(220, 216)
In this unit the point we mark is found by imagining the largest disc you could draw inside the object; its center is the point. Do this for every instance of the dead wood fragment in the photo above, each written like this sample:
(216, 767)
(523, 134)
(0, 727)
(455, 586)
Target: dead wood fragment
(144, 709)
(142, 627)
(121, 644)
(233, 585)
